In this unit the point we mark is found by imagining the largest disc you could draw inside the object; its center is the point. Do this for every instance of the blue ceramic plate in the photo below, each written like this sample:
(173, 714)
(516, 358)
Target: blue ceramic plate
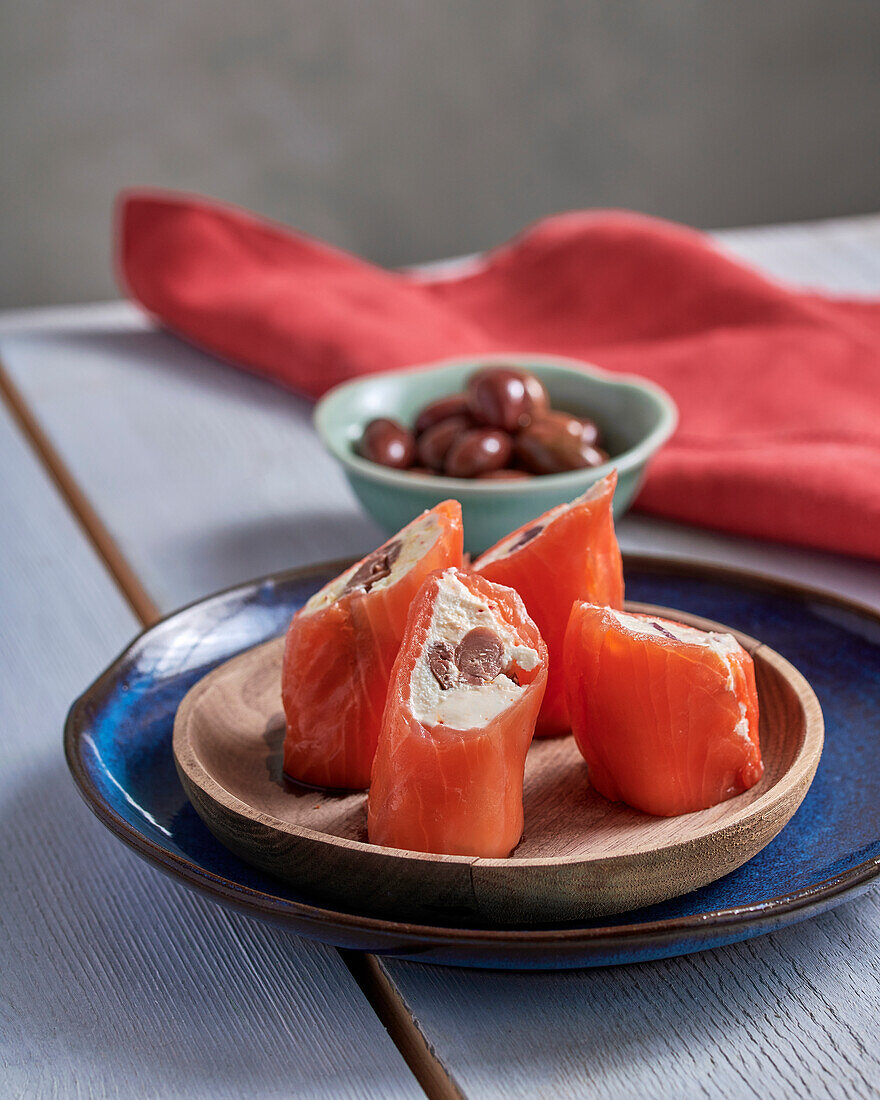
(118, 744)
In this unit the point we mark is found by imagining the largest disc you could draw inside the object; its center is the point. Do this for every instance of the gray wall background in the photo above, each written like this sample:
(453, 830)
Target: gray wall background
(413, 129)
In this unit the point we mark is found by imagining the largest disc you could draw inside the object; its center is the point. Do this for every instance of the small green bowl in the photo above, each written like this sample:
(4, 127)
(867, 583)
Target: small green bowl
(634, 416)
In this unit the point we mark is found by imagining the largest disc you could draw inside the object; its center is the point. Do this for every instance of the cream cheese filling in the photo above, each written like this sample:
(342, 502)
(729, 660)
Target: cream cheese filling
(416, 540)
(457, 611)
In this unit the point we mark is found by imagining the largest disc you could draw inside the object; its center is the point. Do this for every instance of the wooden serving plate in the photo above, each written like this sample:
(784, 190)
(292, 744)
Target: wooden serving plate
(580, 857)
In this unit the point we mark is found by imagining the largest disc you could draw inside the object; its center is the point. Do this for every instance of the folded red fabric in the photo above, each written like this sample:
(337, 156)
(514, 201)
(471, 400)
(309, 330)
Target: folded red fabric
(779, 391)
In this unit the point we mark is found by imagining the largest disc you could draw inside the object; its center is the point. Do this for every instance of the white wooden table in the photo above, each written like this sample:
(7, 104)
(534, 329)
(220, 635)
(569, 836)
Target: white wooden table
(137, 474)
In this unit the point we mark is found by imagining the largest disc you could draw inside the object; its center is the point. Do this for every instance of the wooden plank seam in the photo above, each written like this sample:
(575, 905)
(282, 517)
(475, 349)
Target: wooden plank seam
(96, 533)
(379, 991)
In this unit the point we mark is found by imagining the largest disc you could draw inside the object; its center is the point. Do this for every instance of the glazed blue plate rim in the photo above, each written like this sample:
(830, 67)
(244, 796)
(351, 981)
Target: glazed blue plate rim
(476, 946)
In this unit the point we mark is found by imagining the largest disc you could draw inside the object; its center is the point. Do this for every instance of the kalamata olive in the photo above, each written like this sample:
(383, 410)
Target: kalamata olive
(434, 442)
(422, 471)
(441, 661)
(453, 405)
(504, 475)
(375, 568)
(387, 442)
(476, 451)
(557, 442)
(555, 421)
(595, 456)
(568, 422)
(537, 392)
(479, 656)
(506, 398)
(590, 430)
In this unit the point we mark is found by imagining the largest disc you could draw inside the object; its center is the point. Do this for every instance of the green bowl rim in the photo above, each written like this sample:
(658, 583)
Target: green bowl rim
(625, 461)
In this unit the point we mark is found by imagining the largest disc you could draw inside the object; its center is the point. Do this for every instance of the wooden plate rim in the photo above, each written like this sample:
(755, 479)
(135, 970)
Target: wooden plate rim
(805, 760)
(301, 914)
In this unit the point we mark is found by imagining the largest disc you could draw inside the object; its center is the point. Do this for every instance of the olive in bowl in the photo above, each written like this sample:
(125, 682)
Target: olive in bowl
(501, 420)
(388, 443)
(506, 398)
(632, 418)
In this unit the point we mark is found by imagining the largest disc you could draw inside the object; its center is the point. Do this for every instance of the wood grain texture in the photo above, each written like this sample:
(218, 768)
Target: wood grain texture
(89, 520)
(114, 980)
(205, 476)
(789, 1015)
(581, 856)
(202, 475)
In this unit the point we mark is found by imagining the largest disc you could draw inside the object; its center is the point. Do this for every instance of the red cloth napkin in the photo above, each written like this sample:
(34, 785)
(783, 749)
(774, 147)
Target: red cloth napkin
(779, 391)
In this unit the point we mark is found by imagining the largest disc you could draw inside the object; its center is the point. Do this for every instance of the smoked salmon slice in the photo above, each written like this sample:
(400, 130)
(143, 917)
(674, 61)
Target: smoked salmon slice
(570, 553)
(462, 704)
(341, 647)
(665, 715)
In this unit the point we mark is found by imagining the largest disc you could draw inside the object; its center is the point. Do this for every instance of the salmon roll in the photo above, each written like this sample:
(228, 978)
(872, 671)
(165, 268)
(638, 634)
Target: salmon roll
(665, 715)
(460, 716)
(341, 647)
(570, 553)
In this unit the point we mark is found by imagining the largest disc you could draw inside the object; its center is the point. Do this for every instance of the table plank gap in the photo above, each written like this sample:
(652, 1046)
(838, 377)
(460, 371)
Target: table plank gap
(403, 1027)
(788, 1014)
(378, 991)
(97, 534)
(116, 981)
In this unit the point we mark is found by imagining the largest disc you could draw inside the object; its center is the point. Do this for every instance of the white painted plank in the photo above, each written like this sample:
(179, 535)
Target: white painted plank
(204, 475)
(789, 1015)
(114, 980)
(201, 473)
(841, 256)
